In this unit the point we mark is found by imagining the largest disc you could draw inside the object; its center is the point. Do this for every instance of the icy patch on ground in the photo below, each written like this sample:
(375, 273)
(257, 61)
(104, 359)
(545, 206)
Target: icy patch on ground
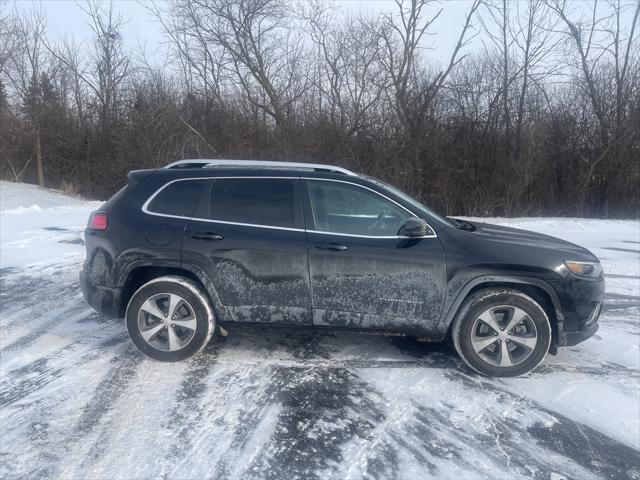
(78, 401)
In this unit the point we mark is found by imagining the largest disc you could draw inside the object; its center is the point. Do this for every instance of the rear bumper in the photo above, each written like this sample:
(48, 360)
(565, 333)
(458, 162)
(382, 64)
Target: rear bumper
(104, 300)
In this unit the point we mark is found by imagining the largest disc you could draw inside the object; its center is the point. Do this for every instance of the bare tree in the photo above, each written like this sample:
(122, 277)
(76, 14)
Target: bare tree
(199, 61)
(26, 65)
(264, 52)
(8, 36)
(522, 40)
(601, 43)
(412, 88)
(348, 73)
(109, 65)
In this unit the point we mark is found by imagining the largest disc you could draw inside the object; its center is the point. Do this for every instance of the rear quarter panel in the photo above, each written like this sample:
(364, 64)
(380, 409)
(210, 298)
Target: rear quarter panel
(111, 254)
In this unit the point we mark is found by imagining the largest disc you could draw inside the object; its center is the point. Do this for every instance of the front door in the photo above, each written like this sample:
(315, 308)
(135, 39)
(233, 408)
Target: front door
(363, 275)
(250, 236)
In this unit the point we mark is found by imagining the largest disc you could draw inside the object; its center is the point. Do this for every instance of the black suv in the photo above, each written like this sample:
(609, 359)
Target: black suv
(184, 249)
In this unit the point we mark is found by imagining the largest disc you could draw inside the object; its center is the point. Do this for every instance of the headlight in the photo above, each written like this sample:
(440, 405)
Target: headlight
(585, 269)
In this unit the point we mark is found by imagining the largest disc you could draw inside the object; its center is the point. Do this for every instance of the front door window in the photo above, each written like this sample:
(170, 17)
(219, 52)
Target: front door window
(347, 209)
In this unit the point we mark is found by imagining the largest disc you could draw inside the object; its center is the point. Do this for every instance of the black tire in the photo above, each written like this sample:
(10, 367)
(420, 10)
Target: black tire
(492, 300)
(197, 304)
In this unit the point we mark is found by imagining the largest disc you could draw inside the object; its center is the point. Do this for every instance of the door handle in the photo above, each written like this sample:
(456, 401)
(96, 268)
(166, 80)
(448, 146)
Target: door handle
(331, 246)
(207, 236)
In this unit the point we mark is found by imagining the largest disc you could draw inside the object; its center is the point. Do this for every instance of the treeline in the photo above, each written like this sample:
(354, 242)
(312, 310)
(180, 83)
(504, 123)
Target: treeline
(535, 111)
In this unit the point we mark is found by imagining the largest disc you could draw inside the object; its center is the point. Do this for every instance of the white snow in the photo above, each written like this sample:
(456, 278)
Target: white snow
(78, 401)
(26, 213)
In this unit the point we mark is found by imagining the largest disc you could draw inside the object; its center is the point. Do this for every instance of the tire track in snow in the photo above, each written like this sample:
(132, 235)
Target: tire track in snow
(319, 411)
(35, 289)
(46, 327)
(27, 379)
(622, 375)
(57, 447)
(298, 424)
(109, 390)
(188, 410)
(49, 449)
(62, 447)
(21, 304)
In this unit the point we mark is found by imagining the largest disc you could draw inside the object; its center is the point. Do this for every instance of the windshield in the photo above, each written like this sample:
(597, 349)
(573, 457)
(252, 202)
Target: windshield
(413, 202)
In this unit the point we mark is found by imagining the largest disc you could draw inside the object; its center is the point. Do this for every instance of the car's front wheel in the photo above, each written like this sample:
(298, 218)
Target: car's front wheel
(170, 319)
(502, 332)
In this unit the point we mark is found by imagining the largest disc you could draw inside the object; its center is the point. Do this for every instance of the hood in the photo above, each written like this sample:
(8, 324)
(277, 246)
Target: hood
(516, 236)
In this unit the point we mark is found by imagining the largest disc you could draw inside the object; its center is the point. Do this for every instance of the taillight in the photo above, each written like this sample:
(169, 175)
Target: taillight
(98, 221)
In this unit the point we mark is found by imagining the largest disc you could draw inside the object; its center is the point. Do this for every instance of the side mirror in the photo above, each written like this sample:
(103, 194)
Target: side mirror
(414, 227)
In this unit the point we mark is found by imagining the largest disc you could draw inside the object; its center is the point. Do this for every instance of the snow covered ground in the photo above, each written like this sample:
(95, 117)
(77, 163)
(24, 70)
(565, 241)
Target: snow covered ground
(78, 401)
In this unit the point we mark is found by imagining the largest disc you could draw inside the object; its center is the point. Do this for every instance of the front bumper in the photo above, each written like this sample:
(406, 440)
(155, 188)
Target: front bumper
(582, 307)
(574, 338)
(104, 300)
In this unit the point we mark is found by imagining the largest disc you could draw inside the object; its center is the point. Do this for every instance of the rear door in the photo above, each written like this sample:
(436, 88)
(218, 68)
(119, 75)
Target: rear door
(249, 236)
(363, 275)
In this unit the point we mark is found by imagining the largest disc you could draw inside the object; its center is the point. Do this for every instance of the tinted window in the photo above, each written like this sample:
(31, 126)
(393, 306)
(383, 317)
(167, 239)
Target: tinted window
(259, 201)
(413, 202)
(178, 198)
(349, 209)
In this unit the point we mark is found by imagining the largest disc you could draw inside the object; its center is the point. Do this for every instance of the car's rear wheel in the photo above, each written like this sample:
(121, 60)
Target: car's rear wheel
(502, 332)
(170, 319)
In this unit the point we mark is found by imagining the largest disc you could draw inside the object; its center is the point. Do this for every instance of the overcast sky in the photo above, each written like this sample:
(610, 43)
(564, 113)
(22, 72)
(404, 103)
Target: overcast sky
(141, 31)
(65, 18)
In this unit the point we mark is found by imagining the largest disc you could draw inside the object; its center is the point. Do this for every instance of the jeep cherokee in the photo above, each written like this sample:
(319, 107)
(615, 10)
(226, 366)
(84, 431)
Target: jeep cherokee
(197, 244)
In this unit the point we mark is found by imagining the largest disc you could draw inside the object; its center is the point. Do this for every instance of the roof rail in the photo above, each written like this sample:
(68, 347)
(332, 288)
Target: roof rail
(204, 163)
(195, 163)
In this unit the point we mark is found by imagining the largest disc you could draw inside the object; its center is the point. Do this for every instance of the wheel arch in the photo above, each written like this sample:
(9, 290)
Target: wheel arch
(537, 289)
(141, 273)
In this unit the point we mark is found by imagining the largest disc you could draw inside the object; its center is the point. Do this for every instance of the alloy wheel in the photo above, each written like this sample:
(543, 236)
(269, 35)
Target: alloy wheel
(504, 336)
(167, 322)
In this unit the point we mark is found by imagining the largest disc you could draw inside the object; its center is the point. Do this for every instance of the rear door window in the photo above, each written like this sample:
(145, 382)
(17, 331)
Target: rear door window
(178, 198)
(269, 202)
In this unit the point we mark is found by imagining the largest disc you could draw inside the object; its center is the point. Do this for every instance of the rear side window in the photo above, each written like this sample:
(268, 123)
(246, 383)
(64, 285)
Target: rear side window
(179, 198)
(258, 201)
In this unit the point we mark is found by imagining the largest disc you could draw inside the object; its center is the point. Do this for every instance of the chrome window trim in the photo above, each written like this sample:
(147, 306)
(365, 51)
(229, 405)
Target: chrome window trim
(397, 237)
(145, 206)
(290, 229)
(146, 210)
